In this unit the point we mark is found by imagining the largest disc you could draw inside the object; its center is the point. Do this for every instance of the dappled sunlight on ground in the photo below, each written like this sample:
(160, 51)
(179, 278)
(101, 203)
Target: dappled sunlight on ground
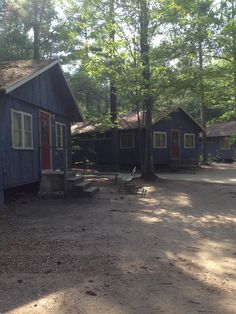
(217, 173)
(218, 219)
(46, 303)
(173, 251)
(148, 220)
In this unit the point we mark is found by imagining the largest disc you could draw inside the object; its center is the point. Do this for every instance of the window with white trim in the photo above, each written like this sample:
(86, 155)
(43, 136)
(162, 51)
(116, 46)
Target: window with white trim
(22, 131)
(127, 140)
(224, 143)
(60, 135)
(189, 140)
(159, 139)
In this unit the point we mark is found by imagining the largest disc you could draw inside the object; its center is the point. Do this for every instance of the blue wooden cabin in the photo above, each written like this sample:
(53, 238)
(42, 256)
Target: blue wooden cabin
(36, 111)
(175, 140)
(221, 144)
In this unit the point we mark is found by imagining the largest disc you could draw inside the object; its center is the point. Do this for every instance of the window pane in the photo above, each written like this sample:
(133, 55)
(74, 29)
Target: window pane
(189, 140)
(17, 139)
(17, 129)
(224, 142)
(28, 140)
(27, 123)
(17, 125)
(63, 135)
(159, 140)
(22, 130)
(58, 133)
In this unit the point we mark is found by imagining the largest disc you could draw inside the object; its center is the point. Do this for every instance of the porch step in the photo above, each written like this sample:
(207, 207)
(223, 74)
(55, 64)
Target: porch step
(75, 179)
(72, 181)
(90, 191)
(71, 174)
(82, 186)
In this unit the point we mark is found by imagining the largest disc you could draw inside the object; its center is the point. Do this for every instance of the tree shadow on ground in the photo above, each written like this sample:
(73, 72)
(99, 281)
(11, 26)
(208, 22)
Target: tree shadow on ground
(172, 252)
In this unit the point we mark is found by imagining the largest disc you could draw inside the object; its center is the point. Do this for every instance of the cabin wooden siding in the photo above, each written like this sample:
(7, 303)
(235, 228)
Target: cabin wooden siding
(130, 156)
(23, 166)
(180, 121)
(215, 151)
(20, 166)
(93, 149)
(48, 91)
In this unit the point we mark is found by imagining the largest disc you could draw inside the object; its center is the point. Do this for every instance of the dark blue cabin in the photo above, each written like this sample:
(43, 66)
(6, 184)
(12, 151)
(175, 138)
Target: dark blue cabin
(221, 144)
(36, 111)
(175, 139)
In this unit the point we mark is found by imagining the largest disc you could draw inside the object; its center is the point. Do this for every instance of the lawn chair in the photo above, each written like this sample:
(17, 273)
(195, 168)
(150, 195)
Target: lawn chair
(126, 181)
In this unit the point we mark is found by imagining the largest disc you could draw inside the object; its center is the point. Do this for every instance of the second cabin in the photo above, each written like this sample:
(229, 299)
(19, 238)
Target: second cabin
(175, 140)
(221, 141)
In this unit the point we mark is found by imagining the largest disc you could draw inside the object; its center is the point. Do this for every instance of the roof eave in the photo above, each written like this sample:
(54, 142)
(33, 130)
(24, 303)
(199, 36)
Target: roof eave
(72, 95)
(189, 115)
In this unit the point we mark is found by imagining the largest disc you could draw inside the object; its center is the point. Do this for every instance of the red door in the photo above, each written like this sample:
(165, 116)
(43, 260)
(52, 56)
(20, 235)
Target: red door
(175, 144)
(45, 137)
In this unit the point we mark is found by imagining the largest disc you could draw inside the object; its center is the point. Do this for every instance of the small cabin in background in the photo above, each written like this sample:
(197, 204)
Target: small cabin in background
(36, 111)
(221, 141)
(175, 139)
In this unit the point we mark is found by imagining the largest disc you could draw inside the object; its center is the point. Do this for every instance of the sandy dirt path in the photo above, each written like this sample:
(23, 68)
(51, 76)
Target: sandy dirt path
(171, 252)
(219, 173)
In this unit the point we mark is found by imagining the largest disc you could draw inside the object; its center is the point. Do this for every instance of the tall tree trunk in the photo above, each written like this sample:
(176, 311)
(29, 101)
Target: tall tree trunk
(147, 168)
(140, 134)
(113, 91)
(36, 31)
(36, 25)
(202, 99)
(234, 51)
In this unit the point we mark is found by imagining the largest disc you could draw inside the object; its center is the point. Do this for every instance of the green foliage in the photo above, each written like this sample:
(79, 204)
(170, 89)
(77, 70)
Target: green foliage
(78, 31)
(227, 116)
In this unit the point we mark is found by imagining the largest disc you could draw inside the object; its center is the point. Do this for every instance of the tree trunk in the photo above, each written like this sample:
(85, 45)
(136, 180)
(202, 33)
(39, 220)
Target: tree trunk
(234, 53)
(202, 100)
(147, 168)
(113, 92)
(140, 136)
(115, 138)
(36, 31)
(36, 25)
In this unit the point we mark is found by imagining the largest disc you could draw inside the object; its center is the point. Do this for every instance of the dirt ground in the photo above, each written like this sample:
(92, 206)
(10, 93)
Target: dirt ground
(171, 252)
(222, 173)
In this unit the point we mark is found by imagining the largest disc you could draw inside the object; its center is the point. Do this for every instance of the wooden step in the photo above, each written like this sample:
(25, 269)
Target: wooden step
(81, 186)
(75, 179)
(91, 191)
(71, 174)
(72, 181)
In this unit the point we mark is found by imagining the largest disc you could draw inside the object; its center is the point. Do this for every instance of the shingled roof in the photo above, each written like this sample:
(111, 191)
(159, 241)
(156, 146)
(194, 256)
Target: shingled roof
(128, 121)
(125, 122)
(221, 129)
(13, 73)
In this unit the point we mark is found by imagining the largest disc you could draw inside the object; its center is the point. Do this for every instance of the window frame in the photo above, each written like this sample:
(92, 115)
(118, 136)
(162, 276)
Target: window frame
(22, 114)
(133, 142)
(194, 140)
(159, 133)
(224, 148)
(64, 142)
